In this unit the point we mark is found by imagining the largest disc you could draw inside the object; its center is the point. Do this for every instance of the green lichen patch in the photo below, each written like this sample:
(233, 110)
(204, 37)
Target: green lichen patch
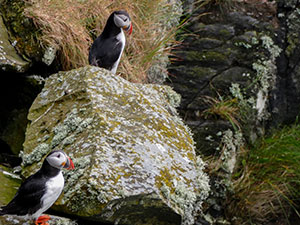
(265, 75)
(125, 140)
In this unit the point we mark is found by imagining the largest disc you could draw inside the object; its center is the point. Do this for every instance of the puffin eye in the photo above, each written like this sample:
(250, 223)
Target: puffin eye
(125, 20)
(58, 156)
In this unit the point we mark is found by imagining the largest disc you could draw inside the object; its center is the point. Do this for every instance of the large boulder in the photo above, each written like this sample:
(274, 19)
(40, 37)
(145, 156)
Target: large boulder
(134, 158)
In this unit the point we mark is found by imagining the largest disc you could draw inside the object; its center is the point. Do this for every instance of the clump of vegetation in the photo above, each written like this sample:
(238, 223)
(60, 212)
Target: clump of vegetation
(224, 109)
(267, 187)
(70, 26)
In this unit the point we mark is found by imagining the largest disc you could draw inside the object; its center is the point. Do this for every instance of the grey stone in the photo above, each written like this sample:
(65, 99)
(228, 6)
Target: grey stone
(133, 155)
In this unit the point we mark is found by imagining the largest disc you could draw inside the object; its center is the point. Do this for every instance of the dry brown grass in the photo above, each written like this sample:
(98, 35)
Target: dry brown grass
(260, 203)
(69, 26)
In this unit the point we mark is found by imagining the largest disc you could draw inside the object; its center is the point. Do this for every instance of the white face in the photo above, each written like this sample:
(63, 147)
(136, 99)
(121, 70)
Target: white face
(57, 159)
(122, 21)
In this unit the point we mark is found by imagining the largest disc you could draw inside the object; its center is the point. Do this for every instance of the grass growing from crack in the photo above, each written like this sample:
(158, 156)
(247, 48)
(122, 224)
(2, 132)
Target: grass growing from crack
(224, 109)
(267, 188)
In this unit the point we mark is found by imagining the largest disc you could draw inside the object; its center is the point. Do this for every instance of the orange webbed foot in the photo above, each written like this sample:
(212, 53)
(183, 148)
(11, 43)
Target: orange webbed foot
(42, 220)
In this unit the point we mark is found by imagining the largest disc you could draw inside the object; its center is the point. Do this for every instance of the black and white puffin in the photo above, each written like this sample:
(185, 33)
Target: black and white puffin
(107, 49)
(40, 190)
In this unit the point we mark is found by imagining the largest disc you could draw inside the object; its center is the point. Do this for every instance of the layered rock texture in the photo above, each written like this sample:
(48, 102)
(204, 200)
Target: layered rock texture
(237, 56)
(133, 155)
(230, 55)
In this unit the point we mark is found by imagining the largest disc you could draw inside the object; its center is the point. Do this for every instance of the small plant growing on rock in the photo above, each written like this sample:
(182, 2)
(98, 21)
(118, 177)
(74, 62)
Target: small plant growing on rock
(224, 109)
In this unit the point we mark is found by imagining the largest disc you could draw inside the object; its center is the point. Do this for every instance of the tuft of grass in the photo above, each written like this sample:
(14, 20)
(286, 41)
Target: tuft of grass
(267, 188)
(70, 26)
(224, 109)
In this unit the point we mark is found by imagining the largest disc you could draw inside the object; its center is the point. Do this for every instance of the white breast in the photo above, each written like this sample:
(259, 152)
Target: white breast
(120, 38)
(54, 188)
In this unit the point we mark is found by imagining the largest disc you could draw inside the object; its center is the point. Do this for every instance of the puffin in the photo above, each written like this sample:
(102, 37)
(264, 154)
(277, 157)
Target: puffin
(40, 190)
(107, 49)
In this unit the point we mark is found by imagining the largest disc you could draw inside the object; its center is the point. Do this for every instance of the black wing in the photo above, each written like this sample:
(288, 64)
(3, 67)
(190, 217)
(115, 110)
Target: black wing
(105, 52)
(28, 198)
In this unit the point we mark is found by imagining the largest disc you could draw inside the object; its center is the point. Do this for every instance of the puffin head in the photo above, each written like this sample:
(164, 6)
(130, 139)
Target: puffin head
(122, 20)
(59, 160)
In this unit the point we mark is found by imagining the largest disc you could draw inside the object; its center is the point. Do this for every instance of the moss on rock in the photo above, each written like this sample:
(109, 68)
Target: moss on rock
(22, 31)
(125, 139)
(8, 185)
(9, 59)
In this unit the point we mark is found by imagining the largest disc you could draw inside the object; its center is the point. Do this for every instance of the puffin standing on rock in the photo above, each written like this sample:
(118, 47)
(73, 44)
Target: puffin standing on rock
(107, 49)
(40, 190)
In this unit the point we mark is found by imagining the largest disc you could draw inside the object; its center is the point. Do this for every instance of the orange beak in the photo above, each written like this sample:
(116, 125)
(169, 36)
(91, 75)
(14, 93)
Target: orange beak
(128, 29)
(69, 165)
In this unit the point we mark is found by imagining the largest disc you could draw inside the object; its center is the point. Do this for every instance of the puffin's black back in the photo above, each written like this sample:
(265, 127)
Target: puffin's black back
(106, 48)
(28, 198)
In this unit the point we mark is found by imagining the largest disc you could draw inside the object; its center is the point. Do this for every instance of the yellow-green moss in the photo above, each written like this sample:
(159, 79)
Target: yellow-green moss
(8, 186)
(21, 28)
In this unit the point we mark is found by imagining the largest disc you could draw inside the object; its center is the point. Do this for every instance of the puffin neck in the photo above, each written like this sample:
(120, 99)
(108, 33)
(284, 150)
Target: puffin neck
(49, 170)
(110, 28)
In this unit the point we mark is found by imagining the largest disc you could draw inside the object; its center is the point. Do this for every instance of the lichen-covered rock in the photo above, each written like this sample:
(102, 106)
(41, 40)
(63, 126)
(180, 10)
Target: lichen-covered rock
(9, 59)
(134, 158)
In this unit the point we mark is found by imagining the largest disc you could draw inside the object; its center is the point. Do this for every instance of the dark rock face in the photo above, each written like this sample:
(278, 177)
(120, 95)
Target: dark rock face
(249, 53)
(15, 102)
(221, 52)
(285, 98)
(20, 57)
(255, 46)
